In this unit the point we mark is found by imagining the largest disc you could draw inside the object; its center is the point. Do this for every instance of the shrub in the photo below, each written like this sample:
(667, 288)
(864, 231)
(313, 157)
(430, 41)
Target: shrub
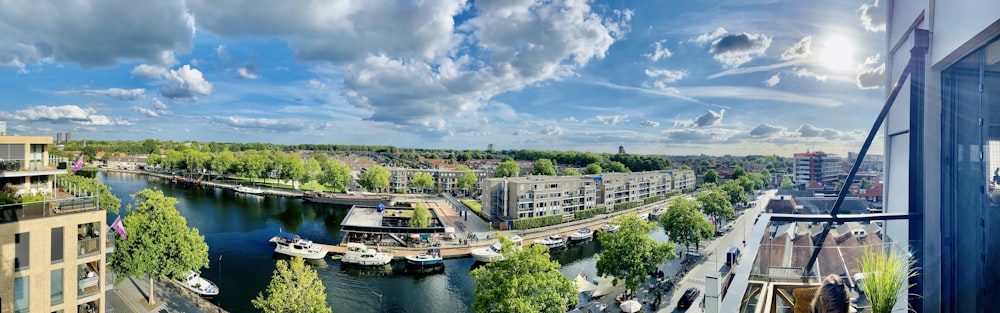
(588, 213)
(535, 222)
(626, 205)
(652, 199)
(473, 205)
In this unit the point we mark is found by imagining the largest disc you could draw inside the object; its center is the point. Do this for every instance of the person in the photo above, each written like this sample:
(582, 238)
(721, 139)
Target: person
(832, 296)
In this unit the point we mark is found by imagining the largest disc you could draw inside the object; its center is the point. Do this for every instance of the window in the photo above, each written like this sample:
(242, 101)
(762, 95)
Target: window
(21, 294)
(56, 286)
(57, 244)
(22, 251)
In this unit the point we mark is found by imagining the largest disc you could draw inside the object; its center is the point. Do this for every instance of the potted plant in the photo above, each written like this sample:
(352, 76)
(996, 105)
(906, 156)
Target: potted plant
(885, 276)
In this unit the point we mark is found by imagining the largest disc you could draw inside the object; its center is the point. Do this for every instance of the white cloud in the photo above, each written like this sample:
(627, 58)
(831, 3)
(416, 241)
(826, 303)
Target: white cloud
(149, 71)
(68, 114)
(698, 135)
(611, 119)
(159, 105)
(650, 123)
(747, 70)
(668, 76)
(315, 84)
(92, 33)
(710, 118)
(118, 93)
(736, 49)
(810, 131)
(773, 80)
(659, 51)
(708, 37)
(145, 111)
(871, 73)
(184, 83)
(752, 93)
(247, 72)
(552, 130)
(764, 131)
(803, 72)
(799, 50)
(267, 124)
(873, 16)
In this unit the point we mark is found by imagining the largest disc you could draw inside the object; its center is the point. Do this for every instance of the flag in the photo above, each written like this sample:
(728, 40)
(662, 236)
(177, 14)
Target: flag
(79, 164)
(117, 225)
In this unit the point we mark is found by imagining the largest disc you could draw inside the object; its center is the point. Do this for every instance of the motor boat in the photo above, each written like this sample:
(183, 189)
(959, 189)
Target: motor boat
(492, 253)
(657, 212)
(293, 245)
(583, 234)
(611, 228)
(431, 258)
(359, 254)
(553, 242)
(201, 286)
(643, 217)
(249, 190)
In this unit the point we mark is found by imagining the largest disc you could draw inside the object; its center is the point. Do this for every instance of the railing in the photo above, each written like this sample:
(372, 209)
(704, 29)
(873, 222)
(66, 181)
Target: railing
(89, 246)
(27, 211)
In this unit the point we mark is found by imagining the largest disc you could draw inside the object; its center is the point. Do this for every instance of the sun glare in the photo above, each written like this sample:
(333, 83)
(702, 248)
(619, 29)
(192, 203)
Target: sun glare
(837, 54)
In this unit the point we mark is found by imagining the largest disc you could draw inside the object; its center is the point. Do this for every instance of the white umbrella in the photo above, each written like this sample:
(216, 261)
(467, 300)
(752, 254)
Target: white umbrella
(630, 306)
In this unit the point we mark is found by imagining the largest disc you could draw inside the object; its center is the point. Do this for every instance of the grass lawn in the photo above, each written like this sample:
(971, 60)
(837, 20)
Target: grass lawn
(474, 205)
(402, 213)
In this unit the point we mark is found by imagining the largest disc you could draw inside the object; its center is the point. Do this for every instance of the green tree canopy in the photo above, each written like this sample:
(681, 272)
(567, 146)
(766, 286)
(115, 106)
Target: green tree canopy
(738, 172)
(291, 167)
(223, 162)
(865, 184)
(711, 177)
(526, 281)
(105, 199)
(375, 178)
(684, 224)
(617, 167)
(592, 169)
(422, 181)
(543, 167)
(294, 287)
(570, 172)
(786, 184)
(335, 174)
(421, 216)
(735, 191)
(715, 202)
(507, 168)
(630, 253)
(312, 169)
(468, 179)
(158, 243)
(254, 165)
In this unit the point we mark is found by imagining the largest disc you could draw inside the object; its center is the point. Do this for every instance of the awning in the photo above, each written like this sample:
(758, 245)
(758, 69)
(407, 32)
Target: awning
(604, 286)
(583, 285)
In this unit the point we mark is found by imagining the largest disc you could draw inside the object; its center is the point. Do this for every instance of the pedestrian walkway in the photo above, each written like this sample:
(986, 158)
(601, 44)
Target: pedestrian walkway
(130, 296)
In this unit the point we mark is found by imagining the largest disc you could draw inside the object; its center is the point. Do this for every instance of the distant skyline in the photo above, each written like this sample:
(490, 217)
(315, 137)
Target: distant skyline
(657, 77)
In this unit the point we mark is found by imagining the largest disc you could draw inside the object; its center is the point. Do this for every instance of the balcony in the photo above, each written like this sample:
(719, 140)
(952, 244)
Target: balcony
(88, 279)
(28, 167)
(34, 210)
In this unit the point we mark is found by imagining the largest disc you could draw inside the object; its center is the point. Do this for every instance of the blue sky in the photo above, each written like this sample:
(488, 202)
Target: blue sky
(659, 77)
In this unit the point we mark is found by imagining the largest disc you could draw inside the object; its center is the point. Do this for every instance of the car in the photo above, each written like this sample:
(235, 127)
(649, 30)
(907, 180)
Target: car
(688, 298)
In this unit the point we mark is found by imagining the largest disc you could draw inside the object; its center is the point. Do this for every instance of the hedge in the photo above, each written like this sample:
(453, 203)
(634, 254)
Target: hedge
(474, 205)
(626, 205)
(588, 213)
(652, 199)
(535, 222)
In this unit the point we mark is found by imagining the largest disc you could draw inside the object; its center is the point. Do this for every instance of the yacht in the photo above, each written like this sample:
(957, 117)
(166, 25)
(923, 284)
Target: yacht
(249, 190)
(583, 234)
(431, 258)
(359, 254)
(611, 228)
(553, 242)
(492, 253)
(293, 245)
(203, 287)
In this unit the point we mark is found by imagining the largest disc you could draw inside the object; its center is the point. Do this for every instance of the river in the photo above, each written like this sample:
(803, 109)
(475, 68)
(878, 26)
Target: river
(237, 227)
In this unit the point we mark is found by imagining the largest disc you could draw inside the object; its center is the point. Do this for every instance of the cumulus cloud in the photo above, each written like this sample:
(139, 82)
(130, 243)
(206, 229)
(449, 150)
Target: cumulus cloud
(665, 75)
(773, 80)
(799, 50)
(92, 33)
(698, 135)
(708, 37)
(184, 82)
(810, 131)
(871, 73)
(649, 123)
(144, 111)
(736, 49)
(710, 118)
(159, 105)
(764, 131)
(552, 130)
(873, 17)
(248, 72)
(611, 119)
(149, 71)
(68, 114)
(803, 72)
(118, 93)
(659, 51)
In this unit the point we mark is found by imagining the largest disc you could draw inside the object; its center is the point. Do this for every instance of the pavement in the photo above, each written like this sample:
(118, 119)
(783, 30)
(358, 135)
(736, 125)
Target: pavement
(130, 296)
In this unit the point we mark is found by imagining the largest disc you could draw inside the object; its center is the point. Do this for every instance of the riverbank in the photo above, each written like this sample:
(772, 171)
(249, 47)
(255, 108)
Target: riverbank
(209, 183)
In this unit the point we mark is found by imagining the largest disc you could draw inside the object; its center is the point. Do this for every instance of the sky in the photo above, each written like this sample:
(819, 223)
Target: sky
(679, 77)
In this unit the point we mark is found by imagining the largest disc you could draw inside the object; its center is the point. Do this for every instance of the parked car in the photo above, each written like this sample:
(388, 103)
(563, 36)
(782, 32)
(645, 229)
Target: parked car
(688, 298)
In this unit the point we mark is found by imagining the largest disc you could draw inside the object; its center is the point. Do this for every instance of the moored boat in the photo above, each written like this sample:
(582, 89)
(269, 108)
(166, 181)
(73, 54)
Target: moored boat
(553, 242)
(249, 190)
(430, 258)
(293, 245)
(492, 252)
(611, 228)
(201, 286)
(359, 254)
(657, 212)
(348, 199)
(583, 234)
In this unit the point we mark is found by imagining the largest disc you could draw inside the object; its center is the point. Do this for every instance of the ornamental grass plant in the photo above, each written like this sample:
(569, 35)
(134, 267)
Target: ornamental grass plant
(885, 276)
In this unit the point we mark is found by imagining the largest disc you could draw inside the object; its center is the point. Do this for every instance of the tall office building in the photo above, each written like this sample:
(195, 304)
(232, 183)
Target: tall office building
(818, 167)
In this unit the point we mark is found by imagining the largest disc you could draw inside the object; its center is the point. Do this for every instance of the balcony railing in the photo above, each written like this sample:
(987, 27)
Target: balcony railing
(12, 165)
(26, 211)
(89, 246)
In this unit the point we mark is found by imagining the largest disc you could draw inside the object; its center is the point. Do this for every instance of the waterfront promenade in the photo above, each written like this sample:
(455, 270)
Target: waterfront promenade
(130, 297)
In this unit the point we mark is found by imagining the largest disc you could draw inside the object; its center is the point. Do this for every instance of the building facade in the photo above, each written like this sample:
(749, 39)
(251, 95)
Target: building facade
(534, 196)
(51, 252)
(401, 180)
(818, 167)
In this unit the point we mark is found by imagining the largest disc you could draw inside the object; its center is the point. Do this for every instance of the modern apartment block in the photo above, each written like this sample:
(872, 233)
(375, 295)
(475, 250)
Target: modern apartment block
(533, 196)
(818, 167)
(400, 180)
(51, 251)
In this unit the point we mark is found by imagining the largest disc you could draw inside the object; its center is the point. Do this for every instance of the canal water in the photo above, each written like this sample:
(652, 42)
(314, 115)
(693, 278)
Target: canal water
(237, 227)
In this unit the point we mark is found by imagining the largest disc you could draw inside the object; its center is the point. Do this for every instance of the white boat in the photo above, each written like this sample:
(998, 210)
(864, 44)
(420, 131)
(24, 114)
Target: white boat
(553, 241)
(359, 254)
(492, 253)
(583, 234)
(643, 217)
(611, 228)
(293, 245)
(657, 212)
(249, 190)
(201, 286)
(431, 258)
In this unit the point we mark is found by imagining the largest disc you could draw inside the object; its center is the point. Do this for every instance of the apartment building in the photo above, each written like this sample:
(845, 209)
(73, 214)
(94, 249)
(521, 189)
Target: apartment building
(51, 252)
(818, 167)
(533, 196)
(400, 180)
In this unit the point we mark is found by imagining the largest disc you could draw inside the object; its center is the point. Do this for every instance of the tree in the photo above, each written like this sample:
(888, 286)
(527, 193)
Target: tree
(765, 177)
(865, 184)
(617, 167)
(570, 172)
(786, 184)
(422, 181)
(291, 168)
(507, 168)
(375, 178)
(592, 169)
(735, 191)
(294, 287)
(313, 170)
(526, 281)
(421, 216)
(684, 224)
(543, 167)
(711, 177)
(158, 243)
(738, 172)
(630, 253)
(335, 174)
(715, 202)
(255, 166)
(223, 162)
(468, 179)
